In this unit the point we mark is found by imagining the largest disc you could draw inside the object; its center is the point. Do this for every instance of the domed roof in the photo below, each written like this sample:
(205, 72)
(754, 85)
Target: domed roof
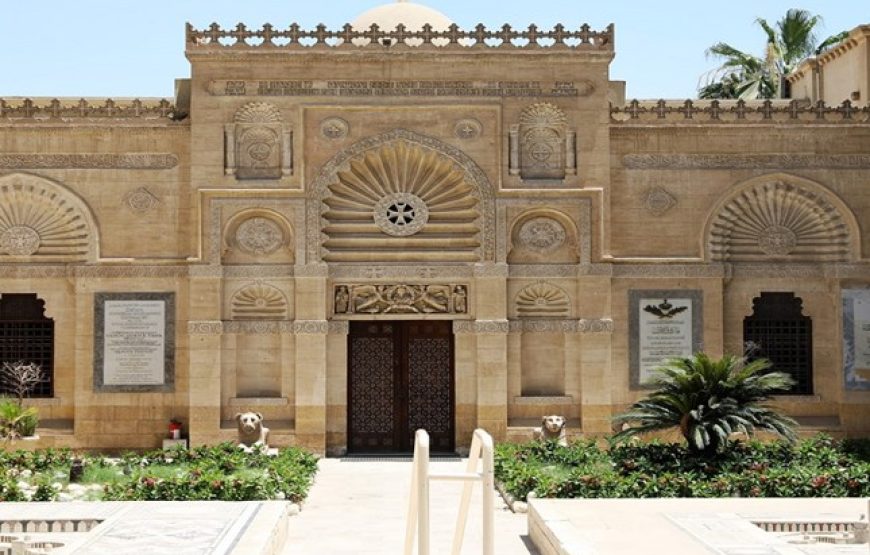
(412, 15)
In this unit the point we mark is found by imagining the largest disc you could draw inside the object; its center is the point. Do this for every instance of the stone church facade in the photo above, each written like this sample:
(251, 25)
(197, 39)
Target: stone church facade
(364, 231)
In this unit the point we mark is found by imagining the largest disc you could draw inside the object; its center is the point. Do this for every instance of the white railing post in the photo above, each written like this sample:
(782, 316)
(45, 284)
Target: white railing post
(418, 509)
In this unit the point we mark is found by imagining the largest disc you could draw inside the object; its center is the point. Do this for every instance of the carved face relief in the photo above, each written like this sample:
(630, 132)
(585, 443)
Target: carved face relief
(777, 240)
(259, 236)
(542, 234)
(20, 240)
(401, 214)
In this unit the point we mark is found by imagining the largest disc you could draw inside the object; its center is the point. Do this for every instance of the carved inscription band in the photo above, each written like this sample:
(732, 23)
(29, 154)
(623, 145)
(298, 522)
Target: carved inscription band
(744, 161)
(402, 88)
(299, 327)
(89, 161)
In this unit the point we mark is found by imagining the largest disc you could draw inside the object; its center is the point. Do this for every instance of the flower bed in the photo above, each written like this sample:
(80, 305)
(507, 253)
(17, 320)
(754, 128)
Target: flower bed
(222, 472)
(817, 467)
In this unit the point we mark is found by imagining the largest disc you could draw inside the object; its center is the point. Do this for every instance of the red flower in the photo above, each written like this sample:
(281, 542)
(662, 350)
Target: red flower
(819, 481)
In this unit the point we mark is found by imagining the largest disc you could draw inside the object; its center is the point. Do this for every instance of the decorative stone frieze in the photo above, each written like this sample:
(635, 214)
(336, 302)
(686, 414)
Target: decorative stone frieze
(257, 144)
(347, 271)
(339, 327)
(141, 201)
(400, 299)
(258, 327)
(543, 270)
(481, 326)
(88, 161)
(491, 270)
(55, 112)
(584, 325)
(541, 146)
(744, 161)
(204, 327)
(310, 327)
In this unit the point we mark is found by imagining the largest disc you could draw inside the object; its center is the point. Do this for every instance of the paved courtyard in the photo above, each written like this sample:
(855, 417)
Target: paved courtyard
(359, 506)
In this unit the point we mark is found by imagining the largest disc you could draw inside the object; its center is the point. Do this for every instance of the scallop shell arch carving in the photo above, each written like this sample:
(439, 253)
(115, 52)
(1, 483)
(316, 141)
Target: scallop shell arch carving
(257, 112)
(543, 114)
(258, 301)
(543, 300)
(778, 219)
(401, 202)
(41, 221)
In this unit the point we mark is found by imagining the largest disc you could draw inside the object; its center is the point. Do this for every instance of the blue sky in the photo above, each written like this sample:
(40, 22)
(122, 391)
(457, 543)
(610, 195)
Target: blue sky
(136, 48)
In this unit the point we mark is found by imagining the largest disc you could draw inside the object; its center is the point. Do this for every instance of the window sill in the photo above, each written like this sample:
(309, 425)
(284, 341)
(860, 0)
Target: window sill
(43, 402)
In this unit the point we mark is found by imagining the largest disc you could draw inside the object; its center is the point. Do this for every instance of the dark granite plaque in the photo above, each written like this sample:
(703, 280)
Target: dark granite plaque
(134, 342)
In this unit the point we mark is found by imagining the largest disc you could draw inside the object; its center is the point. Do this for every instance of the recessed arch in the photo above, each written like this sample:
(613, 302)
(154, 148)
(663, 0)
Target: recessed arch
(544, 235)
(781, 217)
(42, 220)
(259, 232)
(398, 163)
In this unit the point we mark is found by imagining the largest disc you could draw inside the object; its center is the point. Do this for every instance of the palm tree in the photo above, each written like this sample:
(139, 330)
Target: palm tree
(788, 41)
(708, 400)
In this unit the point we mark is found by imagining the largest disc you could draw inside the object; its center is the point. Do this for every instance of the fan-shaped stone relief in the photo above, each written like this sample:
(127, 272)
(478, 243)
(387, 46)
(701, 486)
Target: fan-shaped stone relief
(258, 301)
(257, 146)
(401, 202)
(257, 112)
(778, 219)
(543, 300)
(41, 221)
(541, 146)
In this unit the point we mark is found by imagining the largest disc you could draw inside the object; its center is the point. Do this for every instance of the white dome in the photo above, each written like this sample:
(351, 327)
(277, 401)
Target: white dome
(412, 15)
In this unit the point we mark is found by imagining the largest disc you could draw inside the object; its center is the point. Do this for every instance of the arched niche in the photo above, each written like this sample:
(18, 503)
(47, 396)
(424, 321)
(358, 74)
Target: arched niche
(544, 236)
(258, 235)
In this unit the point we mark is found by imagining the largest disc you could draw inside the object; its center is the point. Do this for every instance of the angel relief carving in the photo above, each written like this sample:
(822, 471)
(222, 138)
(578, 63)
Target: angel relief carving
(401, 299)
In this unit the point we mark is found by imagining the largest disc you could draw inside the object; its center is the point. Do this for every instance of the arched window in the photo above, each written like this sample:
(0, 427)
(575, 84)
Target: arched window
(781, 333)
(27, 335)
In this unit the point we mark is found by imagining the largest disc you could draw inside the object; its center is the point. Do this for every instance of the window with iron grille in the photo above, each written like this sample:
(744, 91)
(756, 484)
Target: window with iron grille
(26, 335)
(780, 332)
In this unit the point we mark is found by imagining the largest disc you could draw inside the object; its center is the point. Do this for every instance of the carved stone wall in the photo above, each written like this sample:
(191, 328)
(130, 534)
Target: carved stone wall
(257, 144)
(779, 219)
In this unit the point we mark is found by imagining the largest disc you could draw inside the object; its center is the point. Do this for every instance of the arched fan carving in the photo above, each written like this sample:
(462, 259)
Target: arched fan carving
(543, 300)
(779, 220)
(259, 301)
(39, 222)
(401, 202)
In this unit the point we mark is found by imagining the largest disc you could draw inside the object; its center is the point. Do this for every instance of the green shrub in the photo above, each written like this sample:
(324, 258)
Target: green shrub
(816, 467)
(16, 421)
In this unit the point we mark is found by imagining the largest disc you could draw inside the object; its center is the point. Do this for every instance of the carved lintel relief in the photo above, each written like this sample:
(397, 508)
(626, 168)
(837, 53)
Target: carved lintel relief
(257, 144)
(400, 299)
(541, 145)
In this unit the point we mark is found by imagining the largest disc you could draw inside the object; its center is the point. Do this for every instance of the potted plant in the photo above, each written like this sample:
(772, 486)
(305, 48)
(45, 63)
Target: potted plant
(175, 429)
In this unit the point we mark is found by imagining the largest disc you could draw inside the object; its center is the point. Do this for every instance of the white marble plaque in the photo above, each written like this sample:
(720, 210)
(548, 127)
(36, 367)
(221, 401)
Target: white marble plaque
(856, 338)
(134, 342)
(665, 332)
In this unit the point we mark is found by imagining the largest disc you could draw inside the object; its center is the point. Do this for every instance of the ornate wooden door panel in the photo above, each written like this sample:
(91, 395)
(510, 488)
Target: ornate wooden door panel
(400, 378)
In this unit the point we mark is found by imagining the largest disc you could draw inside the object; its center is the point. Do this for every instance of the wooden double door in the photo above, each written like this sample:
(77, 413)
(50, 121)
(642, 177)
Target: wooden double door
(400, 379)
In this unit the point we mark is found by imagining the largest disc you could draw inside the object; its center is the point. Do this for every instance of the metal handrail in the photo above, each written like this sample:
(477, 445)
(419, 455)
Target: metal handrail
(418, 507)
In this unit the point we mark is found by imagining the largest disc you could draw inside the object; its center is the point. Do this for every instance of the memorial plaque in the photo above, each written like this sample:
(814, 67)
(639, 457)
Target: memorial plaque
(856, 339)
(134, 341)
(663, 324)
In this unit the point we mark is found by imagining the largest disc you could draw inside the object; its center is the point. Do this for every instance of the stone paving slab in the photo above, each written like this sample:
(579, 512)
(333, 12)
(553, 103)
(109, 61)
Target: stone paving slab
(360, 506)
(684, 526)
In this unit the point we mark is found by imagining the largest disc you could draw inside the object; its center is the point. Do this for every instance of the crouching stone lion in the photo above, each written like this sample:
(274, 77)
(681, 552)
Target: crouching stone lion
(552, 429)
(252, 433)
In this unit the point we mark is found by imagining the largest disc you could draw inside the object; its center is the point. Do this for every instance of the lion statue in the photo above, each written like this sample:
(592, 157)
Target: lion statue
(252, 433)
(552, 429)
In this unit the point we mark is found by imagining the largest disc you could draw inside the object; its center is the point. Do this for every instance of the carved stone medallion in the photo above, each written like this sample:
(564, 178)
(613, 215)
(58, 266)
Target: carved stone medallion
(141, 200)
(20, 240)
(777, 240)
(401, 214)
(334, 128)
(259, 236)
(542, 234)
(467, 129)
(658, 201)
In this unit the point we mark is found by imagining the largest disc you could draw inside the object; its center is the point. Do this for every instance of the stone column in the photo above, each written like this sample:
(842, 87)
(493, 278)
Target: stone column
(491, 333)
(310, 329)
(204, 327)
(336, 388)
